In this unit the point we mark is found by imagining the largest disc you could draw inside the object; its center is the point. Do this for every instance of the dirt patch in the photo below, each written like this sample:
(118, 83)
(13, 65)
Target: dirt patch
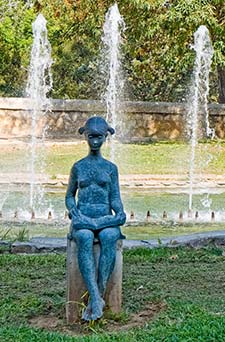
(45, 322)
(139, 319)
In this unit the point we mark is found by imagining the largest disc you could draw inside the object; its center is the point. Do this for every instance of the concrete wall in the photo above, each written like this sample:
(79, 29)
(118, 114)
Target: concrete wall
(139, 121)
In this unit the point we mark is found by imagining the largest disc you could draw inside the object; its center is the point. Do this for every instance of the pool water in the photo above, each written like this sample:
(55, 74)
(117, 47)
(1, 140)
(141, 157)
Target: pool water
(137, 201)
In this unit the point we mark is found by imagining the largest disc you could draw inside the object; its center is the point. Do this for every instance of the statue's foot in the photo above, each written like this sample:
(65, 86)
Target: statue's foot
(94, 310)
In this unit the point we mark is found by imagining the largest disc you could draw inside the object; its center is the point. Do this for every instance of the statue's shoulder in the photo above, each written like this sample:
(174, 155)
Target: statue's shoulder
(111, 166)
(79, 164)
(81, 161)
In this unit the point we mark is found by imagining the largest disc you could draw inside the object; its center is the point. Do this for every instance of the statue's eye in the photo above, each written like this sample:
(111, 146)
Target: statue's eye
(91, 136)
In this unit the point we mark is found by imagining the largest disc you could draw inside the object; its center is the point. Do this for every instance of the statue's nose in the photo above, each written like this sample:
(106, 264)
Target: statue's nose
(95, 142)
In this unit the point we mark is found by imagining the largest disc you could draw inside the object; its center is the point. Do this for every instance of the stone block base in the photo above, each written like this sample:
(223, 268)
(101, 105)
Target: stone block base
(76, 288)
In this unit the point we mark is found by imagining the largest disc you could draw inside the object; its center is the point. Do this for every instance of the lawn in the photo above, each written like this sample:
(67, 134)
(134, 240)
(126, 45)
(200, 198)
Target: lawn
(23, 231)
(155, 158)
(177, 294)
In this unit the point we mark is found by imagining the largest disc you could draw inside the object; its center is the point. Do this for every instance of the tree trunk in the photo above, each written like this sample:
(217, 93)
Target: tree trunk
(221, 80)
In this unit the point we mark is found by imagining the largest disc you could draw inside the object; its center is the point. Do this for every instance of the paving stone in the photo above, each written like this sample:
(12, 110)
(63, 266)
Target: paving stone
(5, 247)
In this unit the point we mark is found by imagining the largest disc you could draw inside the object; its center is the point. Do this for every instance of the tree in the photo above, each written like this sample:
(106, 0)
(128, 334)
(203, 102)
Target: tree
(159, 37)
(158, 60)
(15, 43)
(75, 29)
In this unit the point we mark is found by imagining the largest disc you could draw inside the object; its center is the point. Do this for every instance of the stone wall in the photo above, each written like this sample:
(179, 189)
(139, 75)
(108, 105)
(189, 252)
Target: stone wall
(139, 121)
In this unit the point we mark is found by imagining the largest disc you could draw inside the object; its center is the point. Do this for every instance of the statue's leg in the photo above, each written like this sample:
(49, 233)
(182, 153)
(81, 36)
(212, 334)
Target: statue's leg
(84, 239)
(108, 238)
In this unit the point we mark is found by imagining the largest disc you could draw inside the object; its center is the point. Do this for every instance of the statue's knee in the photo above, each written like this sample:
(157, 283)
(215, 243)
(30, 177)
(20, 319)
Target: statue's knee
(83, 237)
(109, 236)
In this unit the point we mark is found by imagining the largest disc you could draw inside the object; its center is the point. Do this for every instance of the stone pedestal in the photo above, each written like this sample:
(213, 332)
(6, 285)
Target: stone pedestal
(76, 288)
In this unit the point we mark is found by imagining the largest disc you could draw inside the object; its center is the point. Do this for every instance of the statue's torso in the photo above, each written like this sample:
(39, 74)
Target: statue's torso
(94, 183)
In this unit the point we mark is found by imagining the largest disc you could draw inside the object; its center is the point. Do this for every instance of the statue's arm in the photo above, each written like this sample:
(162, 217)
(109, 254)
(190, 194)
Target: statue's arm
(79, 221)
(116, 205)
(71, 193)
(115, 198)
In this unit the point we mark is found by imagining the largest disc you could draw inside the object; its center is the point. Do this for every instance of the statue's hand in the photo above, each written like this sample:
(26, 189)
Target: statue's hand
(111, 220)
(81, 221)
(69, 236)
(73, 213)
(121, 218)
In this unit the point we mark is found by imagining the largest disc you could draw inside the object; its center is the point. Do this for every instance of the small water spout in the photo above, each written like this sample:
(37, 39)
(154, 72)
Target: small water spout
(38, 86)
(181, 216)
(4, 196)
(148, 216)
(113, 27)
(198, 106)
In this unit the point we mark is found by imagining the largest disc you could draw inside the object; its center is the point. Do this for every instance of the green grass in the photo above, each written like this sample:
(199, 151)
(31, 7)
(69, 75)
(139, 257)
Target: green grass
(23, 231)
(189, 282)
(168, 229)
(156, 158)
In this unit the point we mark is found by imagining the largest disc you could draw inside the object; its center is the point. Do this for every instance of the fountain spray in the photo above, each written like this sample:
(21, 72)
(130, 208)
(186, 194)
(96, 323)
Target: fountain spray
(113, 27)
(38, 85)
(198, 118)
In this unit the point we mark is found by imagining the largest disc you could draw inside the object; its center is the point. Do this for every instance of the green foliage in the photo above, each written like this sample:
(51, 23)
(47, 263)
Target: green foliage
(158, 60)
(161, 58)
(15, 43)
(22, 235)
(4, 233)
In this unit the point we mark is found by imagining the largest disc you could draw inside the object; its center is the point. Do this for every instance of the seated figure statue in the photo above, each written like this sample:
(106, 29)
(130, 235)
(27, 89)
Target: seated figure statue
(96, 212)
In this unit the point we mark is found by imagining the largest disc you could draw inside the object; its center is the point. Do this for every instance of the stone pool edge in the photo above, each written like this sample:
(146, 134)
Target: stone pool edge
(42, 245)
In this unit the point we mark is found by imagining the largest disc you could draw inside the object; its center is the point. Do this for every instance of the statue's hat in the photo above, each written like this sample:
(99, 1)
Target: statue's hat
(96, 124)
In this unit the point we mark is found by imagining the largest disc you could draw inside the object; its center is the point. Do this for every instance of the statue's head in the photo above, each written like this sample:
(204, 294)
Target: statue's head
(96, 124)
(96, 130)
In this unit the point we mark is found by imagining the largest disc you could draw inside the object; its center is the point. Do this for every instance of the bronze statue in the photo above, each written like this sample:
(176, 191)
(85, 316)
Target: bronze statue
(96, 212)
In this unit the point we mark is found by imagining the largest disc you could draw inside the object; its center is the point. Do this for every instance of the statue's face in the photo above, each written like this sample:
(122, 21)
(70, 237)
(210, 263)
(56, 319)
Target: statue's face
(95, 140)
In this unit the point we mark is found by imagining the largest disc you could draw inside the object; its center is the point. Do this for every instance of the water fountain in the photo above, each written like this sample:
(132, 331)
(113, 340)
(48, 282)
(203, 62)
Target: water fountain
(147, 205)
(198, 120)
(38, 86)
(113, 27)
